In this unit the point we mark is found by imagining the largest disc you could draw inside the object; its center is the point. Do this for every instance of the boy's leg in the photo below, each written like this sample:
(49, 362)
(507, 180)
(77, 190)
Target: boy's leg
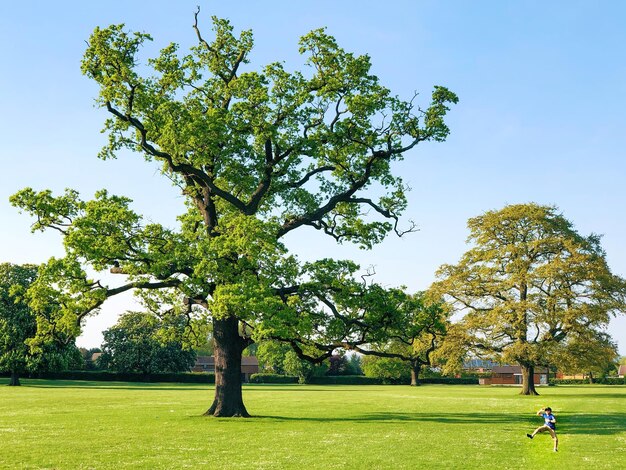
(554, 438)
(540, 429)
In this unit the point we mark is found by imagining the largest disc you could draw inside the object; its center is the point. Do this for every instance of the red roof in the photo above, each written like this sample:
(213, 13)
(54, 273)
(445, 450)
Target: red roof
(515, 370)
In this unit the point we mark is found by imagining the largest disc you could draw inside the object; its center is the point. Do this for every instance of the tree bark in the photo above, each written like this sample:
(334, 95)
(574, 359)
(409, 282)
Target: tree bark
(15, 379)
(229, 345)
(528, 380)
(415, 372)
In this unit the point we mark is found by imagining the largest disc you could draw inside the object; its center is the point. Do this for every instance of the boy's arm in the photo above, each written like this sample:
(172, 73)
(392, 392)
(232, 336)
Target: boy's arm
(540, 412)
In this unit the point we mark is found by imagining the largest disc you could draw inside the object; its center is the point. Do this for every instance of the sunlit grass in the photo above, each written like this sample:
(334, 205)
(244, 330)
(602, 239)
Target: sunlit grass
(67, 425)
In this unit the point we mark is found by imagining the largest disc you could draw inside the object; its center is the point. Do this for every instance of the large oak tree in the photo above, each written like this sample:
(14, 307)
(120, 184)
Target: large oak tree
(257, 155)
(530, 287)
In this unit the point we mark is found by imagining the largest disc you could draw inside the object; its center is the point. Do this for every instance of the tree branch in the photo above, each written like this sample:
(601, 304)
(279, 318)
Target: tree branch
(198, 176)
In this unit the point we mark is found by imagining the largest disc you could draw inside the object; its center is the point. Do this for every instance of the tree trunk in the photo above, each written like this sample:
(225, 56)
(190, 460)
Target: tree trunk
(15, 379)
(528, 381)
(415, 373)
(229, 345)
(591, 380)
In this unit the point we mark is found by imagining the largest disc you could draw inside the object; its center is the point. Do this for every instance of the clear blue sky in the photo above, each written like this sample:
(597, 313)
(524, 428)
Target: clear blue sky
(542, 113)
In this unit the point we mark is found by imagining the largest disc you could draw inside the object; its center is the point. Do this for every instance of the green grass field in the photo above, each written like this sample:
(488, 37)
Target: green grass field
(70, 425)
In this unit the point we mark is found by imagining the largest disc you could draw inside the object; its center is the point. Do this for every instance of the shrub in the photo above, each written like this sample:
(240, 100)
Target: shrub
(450, 380)
(596, 381)
(390, 370)
(273, 379)
(109, 376)
(345, 380)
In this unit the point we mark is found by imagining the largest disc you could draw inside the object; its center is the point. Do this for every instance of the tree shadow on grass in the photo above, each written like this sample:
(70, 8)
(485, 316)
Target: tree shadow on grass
(594, 423)
(592, 396)
(597, 424)
(446, 418)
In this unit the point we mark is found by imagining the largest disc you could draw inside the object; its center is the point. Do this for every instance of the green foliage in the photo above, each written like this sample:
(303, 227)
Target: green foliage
(596, 381)
(594, 353)
(411, 330)
(271, 356)
(450, 380)
(387, 368)
(110, 376)
(257, 154)
(354, 365)
(300, 368)
(141, 342)
(17, 321)
(533, 291)
(344, 380)
(87, 356)
(205, 347)
(19, 351)
(272, 379)
(53, 356)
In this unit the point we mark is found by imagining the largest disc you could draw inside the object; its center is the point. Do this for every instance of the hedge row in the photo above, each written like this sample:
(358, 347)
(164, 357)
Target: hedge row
(272, 379)
(344, 380)
(435, 380)
(109, 376)
(450, 380)
(358, 380)
(322, 380)
(598, 381)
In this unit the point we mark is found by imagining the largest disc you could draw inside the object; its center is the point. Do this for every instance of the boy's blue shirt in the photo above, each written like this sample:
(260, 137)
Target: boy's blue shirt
(547, 417)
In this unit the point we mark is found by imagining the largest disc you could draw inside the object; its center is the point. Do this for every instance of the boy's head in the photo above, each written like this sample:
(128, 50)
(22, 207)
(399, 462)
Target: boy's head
(547, 409)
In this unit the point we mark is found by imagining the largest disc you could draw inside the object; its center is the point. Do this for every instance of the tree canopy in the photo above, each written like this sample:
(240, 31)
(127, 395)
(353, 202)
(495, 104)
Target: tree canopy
(409, 331)
(594, 354)
(257, 154)
(17, 322)
(141, 342)
(20, 350)
(530, 285)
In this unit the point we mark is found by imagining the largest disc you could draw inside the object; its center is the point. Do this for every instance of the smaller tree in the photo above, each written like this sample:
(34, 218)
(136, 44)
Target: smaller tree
(528, 286)
(21, 350)
(55, 356)
(390, 369)
(142, 342)
(297, 367)
(341, 363)
(593, 354)
(17, 321)
(411, 332)
(272, 355)
(354, 365)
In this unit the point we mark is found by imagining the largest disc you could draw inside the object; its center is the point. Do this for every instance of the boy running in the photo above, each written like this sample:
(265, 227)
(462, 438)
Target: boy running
(549, 425)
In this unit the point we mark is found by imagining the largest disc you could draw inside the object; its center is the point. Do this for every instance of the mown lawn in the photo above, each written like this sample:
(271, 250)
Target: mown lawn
(71, 425)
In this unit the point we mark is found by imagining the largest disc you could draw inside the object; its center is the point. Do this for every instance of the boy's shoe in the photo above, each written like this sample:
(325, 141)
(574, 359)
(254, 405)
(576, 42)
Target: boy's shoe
(530, 436)
(556, 450)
